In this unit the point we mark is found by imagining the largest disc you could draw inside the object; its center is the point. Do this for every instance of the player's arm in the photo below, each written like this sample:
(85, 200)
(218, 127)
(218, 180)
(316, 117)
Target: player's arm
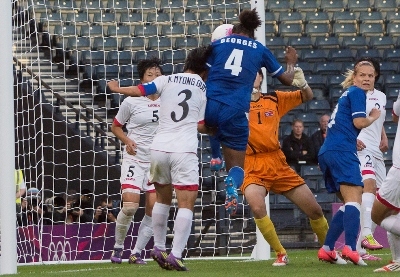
(363, 122)
(290, 58)
(299, 80)
(384, 144)
(396, 111)
(130, 145)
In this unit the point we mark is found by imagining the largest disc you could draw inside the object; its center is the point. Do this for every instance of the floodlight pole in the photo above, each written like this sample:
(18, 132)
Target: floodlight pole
(8, 218)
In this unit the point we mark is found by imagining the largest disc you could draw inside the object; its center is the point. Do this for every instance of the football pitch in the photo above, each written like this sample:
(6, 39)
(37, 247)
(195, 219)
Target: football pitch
(301, 263)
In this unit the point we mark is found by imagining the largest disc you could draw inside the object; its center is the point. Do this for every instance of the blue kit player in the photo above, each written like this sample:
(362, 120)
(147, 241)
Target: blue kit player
(234, 63)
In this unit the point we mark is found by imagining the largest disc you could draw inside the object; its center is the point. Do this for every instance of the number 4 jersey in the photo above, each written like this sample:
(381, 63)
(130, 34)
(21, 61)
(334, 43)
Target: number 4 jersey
(183, 102)
(234, 63)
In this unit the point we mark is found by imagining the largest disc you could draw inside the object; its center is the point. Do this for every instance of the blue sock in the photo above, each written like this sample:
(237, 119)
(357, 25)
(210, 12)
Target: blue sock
(237, 174)
(335, 229)
(215, 147)
(351, 223)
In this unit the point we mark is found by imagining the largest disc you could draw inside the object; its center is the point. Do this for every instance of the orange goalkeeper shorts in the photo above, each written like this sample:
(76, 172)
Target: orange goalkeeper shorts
(271, 171)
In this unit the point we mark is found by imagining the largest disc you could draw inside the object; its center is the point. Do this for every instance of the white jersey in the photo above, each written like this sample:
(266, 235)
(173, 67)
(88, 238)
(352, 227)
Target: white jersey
(183, 98)
(371, 135)
(141, 115)
(396, 144)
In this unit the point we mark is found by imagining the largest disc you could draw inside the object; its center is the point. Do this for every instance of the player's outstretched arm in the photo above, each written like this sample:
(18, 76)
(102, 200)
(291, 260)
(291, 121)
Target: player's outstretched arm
(363, 122)
(134, 91)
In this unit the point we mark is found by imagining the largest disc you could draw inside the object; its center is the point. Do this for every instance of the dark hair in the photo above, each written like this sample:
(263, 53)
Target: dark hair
(145, 64)
(261, 73)
(374, 62)
(197, 58)
(249, 21)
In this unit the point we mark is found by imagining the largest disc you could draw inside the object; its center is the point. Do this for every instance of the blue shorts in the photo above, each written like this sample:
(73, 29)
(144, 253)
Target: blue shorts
(233, 126)
(340, 167)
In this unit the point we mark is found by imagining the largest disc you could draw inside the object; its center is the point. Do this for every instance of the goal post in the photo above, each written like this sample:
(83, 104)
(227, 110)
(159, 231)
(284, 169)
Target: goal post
(8, 240)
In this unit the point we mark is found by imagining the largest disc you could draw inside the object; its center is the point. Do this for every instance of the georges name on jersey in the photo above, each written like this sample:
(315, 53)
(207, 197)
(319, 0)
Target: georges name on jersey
(245, 42)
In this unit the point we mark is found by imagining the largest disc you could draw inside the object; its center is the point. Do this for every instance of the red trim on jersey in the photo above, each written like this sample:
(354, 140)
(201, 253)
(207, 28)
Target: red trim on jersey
(116, 123)
(386, 203)
(129, 186)
(367, 172)
(187, 187)
(142, 90)
(201, 122)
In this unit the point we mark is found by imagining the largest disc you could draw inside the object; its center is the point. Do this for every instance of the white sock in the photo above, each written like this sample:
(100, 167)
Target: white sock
(182, 228)
(366, 207)
(159, 224)
(392, 224)
(121, 228)
(144, 234)
(394, 243)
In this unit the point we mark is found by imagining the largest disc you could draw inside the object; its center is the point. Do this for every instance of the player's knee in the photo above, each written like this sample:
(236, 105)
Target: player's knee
(129, 208)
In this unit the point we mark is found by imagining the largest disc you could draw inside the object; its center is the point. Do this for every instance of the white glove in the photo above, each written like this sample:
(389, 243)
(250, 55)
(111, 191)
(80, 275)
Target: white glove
(298, 79)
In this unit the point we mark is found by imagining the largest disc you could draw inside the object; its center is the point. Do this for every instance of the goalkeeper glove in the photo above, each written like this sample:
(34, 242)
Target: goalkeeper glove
(298, 79)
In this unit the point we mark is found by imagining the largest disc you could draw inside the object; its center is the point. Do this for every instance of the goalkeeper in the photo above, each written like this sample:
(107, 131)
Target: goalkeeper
(265, 164)
(141, 118)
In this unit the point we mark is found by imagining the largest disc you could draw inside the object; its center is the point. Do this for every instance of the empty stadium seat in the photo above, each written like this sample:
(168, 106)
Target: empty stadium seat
(168, 6)
(278, 6)
(300, 42)
(371, 17)
(92, 31)
(186, 18)
(129, 71)
(344, 55)
(107, 72)
(290, 17)
(305, 6)
(332, 6)
(174, 56)
(359, 6)
(290, 29)
(113, 5)
(144, 7)
(344, 17)
(119, 57)
(317, 29)
(344, 29)
(385, 6)
(167, 68)
(104, 19)
(314, 55)
(213, 19)
(387, 157)
(318, 107)
(307, 67)
(328, 68)
(311, 172)
(371, 29)
(392, 17)
(335, 80)
(371, 53)
(186, 43)
(173, 31)
(158, 18)
(356, 42)
(275, 42)
(379, 42)
(92, 57)
(129, 18)
(393, 29)
(199, 31)
(270, 30)
(119, 31)
(197, 6)
(271, 18)
(105, 43)
(327, 42)
(146, 31)
(133, 43)
(317, 17)
(160, 43)
(391, 55)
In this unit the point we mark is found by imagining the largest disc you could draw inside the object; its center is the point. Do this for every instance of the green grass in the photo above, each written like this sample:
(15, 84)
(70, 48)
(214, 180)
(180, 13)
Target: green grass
(301, 263)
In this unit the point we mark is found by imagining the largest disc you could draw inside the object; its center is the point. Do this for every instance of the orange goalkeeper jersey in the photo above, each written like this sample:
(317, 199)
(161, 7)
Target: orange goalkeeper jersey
(264, 117)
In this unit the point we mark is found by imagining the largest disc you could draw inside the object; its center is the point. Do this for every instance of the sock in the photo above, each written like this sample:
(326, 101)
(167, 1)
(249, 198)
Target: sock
(394, 243)
(182, 228)
(366, 207)
(144, 234)
(159, 224)
(121, 228)
(351, 223)
(392, 224)
(215, 148)
(335, 230)
(268, 231)
(237, 174)
(320, 228)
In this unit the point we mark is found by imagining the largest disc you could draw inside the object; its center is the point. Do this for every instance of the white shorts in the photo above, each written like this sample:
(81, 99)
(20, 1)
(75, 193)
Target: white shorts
(135, 176)
(389, 193)
(372, 168)
(179, 169)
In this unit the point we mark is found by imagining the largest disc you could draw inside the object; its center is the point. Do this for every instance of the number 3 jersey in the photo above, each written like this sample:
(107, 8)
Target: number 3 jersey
(183, 102)
(234, 63)
(141, 117)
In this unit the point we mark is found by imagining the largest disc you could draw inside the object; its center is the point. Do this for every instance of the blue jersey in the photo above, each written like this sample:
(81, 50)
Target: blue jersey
(342, 134)
(234, 63)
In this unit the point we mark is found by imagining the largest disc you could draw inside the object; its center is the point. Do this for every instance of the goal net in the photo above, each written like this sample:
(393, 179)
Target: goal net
(64, 52)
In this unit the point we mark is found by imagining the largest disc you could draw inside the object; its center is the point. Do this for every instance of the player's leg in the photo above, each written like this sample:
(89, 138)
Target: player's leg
(255, 197)
(394, 265)
(145, 228)
(216, 163)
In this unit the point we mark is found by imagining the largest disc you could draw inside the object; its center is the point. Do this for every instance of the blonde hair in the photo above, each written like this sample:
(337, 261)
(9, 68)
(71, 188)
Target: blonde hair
(348, 81)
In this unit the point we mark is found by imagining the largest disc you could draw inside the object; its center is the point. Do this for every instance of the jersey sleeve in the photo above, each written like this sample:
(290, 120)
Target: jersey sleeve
(358, 102)
(124, 113)
(396, 107)
(271, 64)
(155, 86)
(288, 100)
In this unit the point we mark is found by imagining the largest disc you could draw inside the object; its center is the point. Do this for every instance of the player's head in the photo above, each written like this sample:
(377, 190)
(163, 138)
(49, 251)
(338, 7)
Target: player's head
(375, 63)
(149, 69)
(255, 95)
(362, 76)
(248, 22)
(196, 60)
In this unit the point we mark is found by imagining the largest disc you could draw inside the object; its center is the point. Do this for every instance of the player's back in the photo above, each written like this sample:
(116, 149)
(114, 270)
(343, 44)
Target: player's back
(234, 63)
(183, 102)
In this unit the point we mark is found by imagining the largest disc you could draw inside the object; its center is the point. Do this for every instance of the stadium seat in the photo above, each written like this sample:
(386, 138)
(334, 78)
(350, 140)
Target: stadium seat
(104, 19)
(290, 29)
(314, 55)
(186, 18)
(392, 17)
(146, 31)
(107, 72)
(312, 184)
(270, 30)
(160, 43)
(114, 6)
(334, 81)
(158, 19)
(391, 80)
(328, 68)
(325, 198)
(371, 29)
(334, 94)
(89, 57)
(371, 17)
(271, 18)
(318, 107)
(385, 6)
(223, 6)
(290, 17)
(344, 17)
(213, 19)
(78, 43)
(379, 42)
(354, 42)
(359, 6)
(388, 67)
(317, 81)
(128, 18)
(287, 119)
(317, 17)
(186, 43)
(129, 71)
(167, 68)
(371, 53)
(105, 43)
(344, 29)
(391, 55)
(389, 105)
(178, 68)
(305, 6)
(392, 93)
(197, 6)
(311, 172)
(173, 31)
(393, 29)
(327, 42)
(332, 6)
(199, 31)
(346, 65)
(300, 42)
(144, 7)
(133, 43)
(317, 29)
(61, 34)
(275, 43)
(280, 55)
(119, 57)
(387, 157)
(168, 6)
(92, 31)
(308, 118)
(341, 55)
(232, 18)
(119, 31)
(307, 67)
(278, 6)
(174, 56)
(320, 94)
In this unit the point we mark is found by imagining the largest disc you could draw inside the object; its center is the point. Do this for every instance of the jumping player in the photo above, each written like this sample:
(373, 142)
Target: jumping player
(141, 118)
(173, 155)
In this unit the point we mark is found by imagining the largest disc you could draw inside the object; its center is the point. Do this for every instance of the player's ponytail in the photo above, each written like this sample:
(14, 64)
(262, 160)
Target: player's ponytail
(249, 21)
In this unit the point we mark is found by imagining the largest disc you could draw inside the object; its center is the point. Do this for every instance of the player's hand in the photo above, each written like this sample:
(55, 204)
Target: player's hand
(130, 147)
(375, 113)
(113, 84)
(298, 79)
(291, 56)
(360, 145)
(384, 145)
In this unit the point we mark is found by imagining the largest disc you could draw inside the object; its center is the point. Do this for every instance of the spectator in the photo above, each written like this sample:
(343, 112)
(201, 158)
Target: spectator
(318, 137)
(75, 213)
(297, 147)
(31, 211)
(54, 210)
(20, 187)
(106, 211)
